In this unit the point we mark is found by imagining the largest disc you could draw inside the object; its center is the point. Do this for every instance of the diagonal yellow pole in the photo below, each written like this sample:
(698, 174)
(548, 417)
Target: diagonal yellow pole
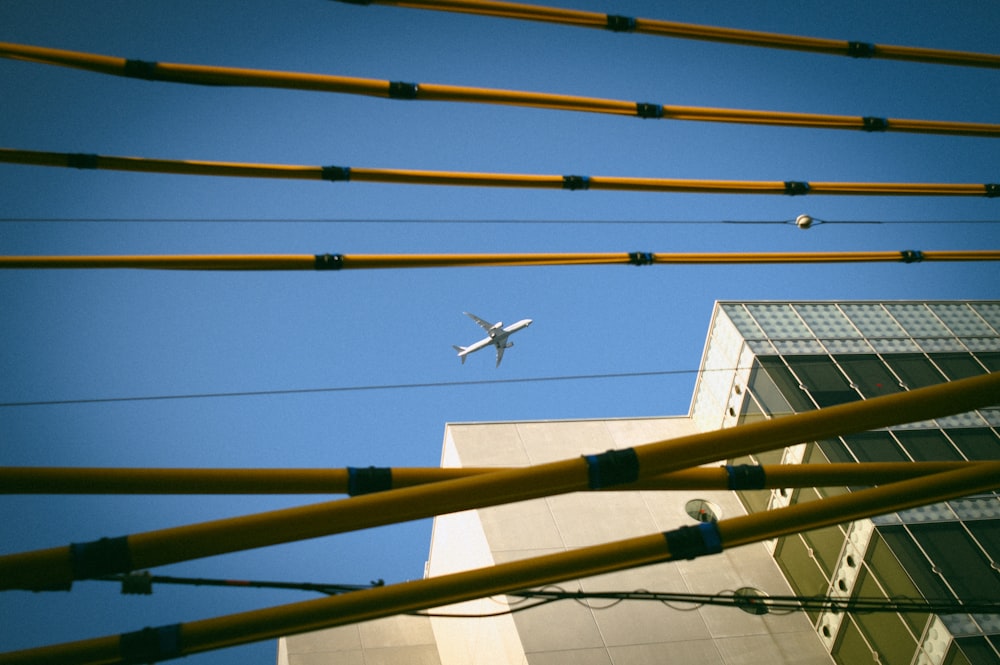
(399, 261)
(471, 179)
(233, 76)
(617, 23)
(57, 567)
(178, 640)
(112, 480)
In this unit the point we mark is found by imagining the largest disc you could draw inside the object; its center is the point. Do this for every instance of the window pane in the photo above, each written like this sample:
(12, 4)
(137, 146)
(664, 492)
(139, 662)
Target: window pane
(894, 580)
(822, 380)
(957, 365)
(885, 631)
(777, 390)
(987, 532)
(870, 375)
(914, 369)
(928, 445)
(991, 360)
(835, 450)
(976, 443)
(914, 562)
(803, 574)
(875, 447)
(977, 650)
(851, 648)
(963, 564)
(750, 412)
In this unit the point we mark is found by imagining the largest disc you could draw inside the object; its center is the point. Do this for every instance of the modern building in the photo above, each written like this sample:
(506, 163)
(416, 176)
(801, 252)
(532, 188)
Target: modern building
(761, 360)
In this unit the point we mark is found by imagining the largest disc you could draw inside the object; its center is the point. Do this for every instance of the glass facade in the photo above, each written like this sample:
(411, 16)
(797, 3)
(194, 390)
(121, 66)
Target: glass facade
(813, 355)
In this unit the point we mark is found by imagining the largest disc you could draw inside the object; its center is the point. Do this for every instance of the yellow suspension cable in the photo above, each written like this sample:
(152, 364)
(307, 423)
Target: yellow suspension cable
(453, 178)
(232, 76)
(113, 480)
(178, 640)
(585, 19)
(401, 261)
(58, 567)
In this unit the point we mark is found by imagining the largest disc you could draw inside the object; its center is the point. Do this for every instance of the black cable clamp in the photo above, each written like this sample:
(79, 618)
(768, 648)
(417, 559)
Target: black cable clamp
(646, 110)
(100, 557)
(691, 542)
(746, 477)
(861, 49)
(335, 173)
(574, 182)
(150, 645)
(366, 481)
(141, 69)
(796, 188)
(402, 90)
(614, 467)
(911, 256)
(641, 258)
(137, 584)
(81, 161)
(873, 124)
(329, 261)
(618, 23)
(992, 190)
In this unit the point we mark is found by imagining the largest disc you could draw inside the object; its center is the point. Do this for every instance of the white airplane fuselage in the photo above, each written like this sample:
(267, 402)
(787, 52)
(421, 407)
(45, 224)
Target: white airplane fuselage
(497, 335)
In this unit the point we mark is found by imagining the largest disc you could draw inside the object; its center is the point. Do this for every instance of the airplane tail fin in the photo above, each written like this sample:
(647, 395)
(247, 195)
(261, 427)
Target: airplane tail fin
(461, 352)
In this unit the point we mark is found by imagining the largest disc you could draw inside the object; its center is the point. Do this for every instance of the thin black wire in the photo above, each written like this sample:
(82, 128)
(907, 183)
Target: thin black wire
(396, 386)
(554, 593)
(336, 220)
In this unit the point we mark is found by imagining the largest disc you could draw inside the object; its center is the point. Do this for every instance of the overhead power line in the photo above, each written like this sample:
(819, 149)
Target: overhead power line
(337, 262)
(233, 76)
(540, 222)
(337, 389)
(474, 179)
(141, 583)
(617, 23)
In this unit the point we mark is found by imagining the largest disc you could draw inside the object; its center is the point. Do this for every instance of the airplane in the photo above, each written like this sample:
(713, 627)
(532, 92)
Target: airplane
(497, 337)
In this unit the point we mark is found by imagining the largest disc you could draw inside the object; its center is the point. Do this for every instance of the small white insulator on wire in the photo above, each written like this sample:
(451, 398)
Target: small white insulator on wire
(803, 221)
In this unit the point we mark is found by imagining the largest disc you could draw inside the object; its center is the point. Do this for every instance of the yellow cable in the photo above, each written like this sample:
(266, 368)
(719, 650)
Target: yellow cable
(228, 76)
(455, 178)
(706, 33)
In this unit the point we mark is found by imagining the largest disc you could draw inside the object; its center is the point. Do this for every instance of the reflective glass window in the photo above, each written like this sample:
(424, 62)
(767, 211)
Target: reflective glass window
(955, 656)
(851, 648)
(894, 580)
(877, 446)
(977, 650)
(822, 380)
(914, 370)
(963, 565)
(928, 445)
(914, 562)
(776, 388)
(991, 360)
(836, 451)
(987, 532)
(804, 576)
(958, 365)
(885, 631)
(976, 443)
(870, 375)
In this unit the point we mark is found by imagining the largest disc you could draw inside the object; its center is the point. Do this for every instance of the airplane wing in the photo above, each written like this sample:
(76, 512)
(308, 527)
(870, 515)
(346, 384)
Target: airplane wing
(500, 348)
(485, 325)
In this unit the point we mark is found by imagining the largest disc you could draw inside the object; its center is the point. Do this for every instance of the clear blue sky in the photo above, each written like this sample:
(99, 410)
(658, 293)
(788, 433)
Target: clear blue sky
(102, 334)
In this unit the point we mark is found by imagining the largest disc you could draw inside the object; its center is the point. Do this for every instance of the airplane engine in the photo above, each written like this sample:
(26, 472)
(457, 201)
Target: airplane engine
(496, 328)
(509, 344)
